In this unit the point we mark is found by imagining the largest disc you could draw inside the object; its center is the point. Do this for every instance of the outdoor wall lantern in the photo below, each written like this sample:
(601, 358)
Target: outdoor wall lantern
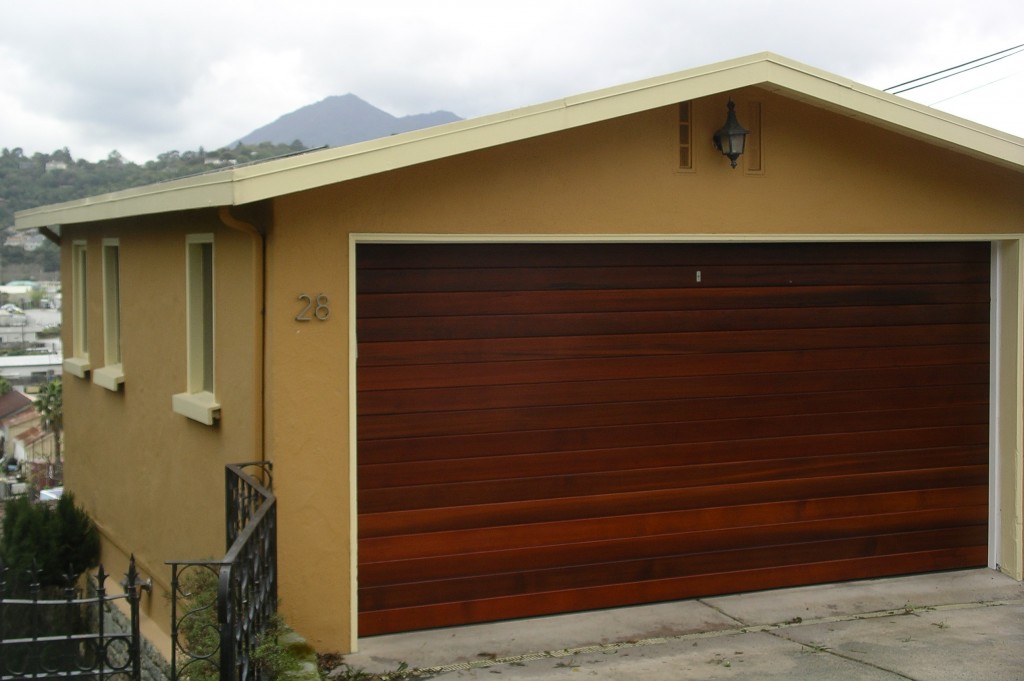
(731, 137)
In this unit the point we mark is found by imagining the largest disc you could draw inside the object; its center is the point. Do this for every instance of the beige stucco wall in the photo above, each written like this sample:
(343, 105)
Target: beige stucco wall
(823, 175)
(158, 491)
(153, 479)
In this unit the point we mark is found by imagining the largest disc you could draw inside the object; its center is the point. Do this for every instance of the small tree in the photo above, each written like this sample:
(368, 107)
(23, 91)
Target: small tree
(54, 539)
(5, 386)
(51, 407)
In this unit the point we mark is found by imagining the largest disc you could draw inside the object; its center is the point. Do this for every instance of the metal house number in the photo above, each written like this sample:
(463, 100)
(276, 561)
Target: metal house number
(315, 308)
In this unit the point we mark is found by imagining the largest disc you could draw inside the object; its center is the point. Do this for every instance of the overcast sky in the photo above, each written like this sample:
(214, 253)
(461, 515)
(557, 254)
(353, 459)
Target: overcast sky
(145, 77)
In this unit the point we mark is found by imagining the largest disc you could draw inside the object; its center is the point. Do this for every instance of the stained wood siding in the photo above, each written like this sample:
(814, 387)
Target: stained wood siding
(556, 427)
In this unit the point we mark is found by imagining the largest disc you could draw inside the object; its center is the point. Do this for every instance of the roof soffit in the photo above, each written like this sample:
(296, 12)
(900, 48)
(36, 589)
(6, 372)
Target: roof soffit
(771, 72)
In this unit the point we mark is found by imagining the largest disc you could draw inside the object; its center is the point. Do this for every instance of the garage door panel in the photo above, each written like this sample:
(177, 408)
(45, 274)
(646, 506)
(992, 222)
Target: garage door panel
(544, 603)
(969, 503)
(603, 391)
(560, 426)
(624, 322)
(533, 255)
(655, 501)
(412, 279)
(384, 306)
(511, 488)
(666, 566)
(479, 469)
(696, 540)
(723, 430)
(547, 348)
(626, 411)
(712, 363)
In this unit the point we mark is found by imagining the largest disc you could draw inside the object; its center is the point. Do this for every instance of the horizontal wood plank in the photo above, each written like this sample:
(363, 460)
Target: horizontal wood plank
(965, 501)
(732, 580)
(442, 518)
(694, 541)
(477, 303)
(549, 427)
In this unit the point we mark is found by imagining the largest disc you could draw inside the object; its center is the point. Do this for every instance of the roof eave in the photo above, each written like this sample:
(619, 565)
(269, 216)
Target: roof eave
(792, 79)
(205, 191)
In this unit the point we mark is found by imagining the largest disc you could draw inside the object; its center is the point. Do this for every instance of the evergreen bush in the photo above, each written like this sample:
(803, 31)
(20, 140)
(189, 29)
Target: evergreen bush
(57, 540)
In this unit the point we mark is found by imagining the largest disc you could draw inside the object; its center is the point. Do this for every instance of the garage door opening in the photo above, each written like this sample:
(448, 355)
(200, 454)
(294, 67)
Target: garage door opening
(553, 427)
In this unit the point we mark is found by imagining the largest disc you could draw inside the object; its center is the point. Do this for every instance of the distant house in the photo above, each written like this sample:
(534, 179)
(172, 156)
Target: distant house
(24, 439)
(27, 240)
(13, 402)
(565, 357)
(19, 292)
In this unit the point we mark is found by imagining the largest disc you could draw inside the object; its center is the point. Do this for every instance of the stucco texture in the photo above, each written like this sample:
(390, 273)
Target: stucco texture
(159, 493)
(823, 174)
(153, 479)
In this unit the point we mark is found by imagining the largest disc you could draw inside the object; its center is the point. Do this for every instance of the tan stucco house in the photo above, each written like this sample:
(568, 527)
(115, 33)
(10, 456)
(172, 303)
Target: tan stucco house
(565, 357)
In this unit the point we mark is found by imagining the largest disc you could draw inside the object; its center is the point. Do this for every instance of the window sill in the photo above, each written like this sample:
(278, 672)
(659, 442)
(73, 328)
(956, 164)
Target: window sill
(110, 377)
(77, 366)
(202, 407)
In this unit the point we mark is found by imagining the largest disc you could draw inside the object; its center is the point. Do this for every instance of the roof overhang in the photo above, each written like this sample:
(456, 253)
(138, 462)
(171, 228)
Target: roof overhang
(261, 181)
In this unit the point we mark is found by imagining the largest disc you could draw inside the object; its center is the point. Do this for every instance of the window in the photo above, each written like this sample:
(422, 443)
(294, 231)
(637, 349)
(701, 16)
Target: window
(78, 363)
(111, 375)
(198, 402)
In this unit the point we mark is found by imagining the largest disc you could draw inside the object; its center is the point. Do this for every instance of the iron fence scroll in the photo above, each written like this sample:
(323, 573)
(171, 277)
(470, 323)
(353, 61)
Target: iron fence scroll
(246, 583)
(43, 636)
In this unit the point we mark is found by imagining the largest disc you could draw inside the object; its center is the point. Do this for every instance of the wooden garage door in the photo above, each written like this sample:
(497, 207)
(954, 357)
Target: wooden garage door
(555, 427)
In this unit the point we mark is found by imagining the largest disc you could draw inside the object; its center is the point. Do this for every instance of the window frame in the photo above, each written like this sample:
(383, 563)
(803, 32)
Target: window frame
(111, 374)
(199, 401)
(78, 363)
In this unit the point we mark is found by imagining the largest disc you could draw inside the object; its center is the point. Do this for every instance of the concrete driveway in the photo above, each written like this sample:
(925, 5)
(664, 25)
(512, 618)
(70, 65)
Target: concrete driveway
(952, 625)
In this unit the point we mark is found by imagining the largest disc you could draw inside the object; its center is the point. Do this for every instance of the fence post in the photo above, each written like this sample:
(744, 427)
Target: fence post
(226, 619)
(35, 593)
(3, 594)
(67, 654)
(101, 600)
(133, 588)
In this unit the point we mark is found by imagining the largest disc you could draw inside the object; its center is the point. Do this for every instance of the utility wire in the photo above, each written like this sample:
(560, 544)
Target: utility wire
(1011, 50)
(991, 82)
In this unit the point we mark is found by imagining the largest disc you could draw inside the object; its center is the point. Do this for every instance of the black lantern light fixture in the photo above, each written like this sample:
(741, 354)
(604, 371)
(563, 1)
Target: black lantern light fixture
(731, 137)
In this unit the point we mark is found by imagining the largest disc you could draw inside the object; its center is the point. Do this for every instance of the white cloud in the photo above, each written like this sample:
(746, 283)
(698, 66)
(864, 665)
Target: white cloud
(144, 77)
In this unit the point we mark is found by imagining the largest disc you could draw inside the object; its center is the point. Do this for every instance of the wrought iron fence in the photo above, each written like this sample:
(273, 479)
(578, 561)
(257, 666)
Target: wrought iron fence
(43, 637)
(246, 585)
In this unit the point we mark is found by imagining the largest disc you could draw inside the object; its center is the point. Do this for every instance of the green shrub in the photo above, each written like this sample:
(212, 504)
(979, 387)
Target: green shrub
(56, 544)
(271, 657)
(199, 635)
(59, 540)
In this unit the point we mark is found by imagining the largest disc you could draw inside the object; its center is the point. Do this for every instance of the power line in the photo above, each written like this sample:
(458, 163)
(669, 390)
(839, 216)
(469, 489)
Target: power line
(1011, 50)
(984, 85)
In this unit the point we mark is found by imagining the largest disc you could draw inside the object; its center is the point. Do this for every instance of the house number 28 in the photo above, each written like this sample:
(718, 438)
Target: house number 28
(315, 308)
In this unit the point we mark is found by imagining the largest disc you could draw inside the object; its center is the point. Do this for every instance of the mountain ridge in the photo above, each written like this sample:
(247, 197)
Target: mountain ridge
(339, 120)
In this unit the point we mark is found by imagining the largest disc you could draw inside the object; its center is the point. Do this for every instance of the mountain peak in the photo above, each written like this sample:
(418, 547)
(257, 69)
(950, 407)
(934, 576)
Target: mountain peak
(341, 119)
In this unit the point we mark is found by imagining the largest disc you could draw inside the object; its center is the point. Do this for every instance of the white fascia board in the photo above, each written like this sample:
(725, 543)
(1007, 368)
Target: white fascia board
(854, 100)
(771, 72)
(309, 171)
(205, 191)
(767, 71)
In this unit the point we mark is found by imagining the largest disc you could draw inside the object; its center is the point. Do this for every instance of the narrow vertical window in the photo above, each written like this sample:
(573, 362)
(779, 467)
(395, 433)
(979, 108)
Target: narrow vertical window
(111, 375)
(199, 401)
(78, 363)
(685, 137)
(200, 317)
